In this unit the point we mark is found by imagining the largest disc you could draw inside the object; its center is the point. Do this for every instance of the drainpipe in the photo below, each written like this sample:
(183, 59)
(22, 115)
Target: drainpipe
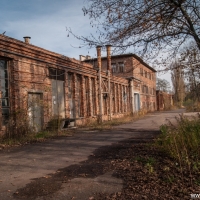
(98, 48)
(108, 49)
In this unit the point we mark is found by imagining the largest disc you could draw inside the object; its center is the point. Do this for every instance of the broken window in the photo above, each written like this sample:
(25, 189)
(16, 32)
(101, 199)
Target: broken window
(145, 74)
(121, 67)
(4, 89)
(150, 76)
(141, 71)
(143, 88)
(114, 68)
(147, 89)
(57, 74)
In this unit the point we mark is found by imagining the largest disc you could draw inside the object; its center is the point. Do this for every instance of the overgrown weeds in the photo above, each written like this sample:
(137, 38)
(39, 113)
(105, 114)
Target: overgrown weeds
(18, 125)
(182, 142)
(19, 130)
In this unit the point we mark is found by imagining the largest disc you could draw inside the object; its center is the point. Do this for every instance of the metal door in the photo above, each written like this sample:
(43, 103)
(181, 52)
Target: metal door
(58, 105)
(137, 101)
(35, 111)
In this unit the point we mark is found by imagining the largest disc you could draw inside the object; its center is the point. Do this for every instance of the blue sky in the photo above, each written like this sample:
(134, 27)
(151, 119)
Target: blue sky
(45, 21)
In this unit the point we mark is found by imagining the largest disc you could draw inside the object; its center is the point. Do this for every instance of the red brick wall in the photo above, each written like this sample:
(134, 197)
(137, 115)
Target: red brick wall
(28, 70)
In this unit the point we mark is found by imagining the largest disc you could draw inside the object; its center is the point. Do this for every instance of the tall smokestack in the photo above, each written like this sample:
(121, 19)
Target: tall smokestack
(98, 56)
(108, 49)
(100, 119)
(27, 39)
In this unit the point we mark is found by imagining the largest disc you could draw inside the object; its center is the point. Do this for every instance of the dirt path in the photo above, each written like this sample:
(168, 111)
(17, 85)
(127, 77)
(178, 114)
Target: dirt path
(76, 167)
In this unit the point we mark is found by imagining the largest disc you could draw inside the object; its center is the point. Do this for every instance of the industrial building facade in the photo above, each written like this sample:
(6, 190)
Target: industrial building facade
(46, 85)
(141, 77)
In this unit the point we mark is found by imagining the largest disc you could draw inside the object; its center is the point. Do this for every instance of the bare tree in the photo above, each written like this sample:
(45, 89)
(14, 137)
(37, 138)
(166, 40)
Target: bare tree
(191, 64)
(150, 24)
(177, 76)
(163, 85)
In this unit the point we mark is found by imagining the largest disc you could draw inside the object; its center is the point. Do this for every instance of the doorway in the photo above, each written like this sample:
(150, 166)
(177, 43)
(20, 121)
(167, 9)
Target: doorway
(137, 102)
(35, 111)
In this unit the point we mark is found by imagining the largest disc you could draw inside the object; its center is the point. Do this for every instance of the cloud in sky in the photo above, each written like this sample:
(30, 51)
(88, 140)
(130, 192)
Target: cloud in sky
(45, 21)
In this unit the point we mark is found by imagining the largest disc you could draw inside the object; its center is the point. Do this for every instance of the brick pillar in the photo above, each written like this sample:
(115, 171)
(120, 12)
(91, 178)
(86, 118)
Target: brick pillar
(75, 97)
(90, 96)
(67, 108)
(83, 89)
(115, 99)
(120, 99)
(126, 103)
(15, 85)
(96, 97)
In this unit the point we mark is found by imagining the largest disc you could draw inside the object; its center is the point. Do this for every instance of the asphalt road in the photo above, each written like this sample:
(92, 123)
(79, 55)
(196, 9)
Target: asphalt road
(21, 165)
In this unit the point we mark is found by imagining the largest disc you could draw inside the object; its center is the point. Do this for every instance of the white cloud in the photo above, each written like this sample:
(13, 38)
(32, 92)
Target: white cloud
(49, 30)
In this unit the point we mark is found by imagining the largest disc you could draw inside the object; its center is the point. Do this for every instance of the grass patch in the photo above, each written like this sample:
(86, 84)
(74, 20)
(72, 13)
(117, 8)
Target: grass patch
(94, 125)
(33, 137)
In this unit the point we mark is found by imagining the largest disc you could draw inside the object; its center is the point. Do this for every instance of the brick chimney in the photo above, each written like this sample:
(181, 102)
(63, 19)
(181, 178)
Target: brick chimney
(27, 39)
(108, 49)
(98, 56)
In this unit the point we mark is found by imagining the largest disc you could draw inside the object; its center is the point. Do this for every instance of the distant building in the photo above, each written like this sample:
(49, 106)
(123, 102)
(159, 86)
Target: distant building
(164, 100)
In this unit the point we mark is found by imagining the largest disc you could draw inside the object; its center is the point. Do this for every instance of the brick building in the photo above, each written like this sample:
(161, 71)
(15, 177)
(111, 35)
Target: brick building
(142, 78)
(46, 85)
(164, 100)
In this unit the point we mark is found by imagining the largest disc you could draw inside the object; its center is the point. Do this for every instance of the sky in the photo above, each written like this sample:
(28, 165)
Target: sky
(45, 21)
